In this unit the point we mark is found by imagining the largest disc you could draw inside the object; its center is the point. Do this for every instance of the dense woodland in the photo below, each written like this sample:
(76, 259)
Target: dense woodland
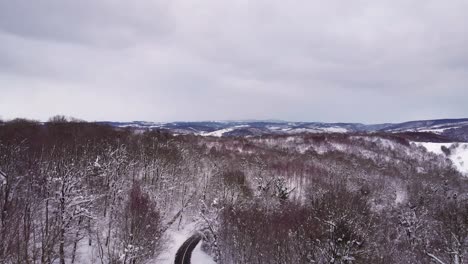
(68, 186)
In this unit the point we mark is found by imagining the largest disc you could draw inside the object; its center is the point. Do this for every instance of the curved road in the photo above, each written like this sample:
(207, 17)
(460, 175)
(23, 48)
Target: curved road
(184, 253)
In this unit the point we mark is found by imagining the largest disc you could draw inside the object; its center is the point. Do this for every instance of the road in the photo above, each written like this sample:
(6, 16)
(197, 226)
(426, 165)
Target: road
(184, 253)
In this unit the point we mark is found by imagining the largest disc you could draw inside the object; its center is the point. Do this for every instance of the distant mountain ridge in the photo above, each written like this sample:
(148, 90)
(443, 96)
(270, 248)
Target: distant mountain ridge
(453, 129)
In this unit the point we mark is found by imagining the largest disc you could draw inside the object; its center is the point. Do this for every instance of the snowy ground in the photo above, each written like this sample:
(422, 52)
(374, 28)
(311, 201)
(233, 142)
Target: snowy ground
(458, 155)
(176, 239)
(87, 254)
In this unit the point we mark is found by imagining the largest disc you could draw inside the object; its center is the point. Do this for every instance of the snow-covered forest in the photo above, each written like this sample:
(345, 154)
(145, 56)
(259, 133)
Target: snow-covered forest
(76, 192)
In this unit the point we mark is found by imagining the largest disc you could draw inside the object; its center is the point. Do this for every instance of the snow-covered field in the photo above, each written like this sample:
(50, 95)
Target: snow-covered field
(219, 133)
(458, 153)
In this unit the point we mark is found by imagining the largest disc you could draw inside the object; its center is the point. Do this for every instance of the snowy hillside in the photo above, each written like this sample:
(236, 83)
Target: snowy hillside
(445, 129)
(457, 152)
(128, 196)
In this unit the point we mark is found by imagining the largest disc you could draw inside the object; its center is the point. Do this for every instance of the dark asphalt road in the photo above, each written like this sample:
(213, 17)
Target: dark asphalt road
(184, 253)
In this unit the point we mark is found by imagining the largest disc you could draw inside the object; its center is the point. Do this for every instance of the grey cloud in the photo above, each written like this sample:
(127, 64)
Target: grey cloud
(103, 23)
(366, 61)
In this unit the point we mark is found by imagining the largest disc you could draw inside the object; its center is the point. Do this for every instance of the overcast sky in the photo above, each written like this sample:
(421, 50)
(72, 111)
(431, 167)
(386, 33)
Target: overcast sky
(166, 60)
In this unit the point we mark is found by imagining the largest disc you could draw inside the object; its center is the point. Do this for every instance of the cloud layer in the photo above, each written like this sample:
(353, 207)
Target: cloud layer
(164, 60)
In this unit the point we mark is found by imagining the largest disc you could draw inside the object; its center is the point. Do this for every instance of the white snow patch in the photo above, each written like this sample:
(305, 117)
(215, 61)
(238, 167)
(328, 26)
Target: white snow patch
(301, 130)
(458, 153)
(219, 133)
(274, 127)
(86, 253)
(335, 129)
(400, 196)
(316, 130)
(436, 131)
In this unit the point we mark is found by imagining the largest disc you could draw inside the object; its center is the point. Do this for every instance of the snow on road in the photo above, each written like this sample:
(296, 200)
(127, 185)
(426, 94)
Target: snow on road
(458, 153)
(176, 239)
